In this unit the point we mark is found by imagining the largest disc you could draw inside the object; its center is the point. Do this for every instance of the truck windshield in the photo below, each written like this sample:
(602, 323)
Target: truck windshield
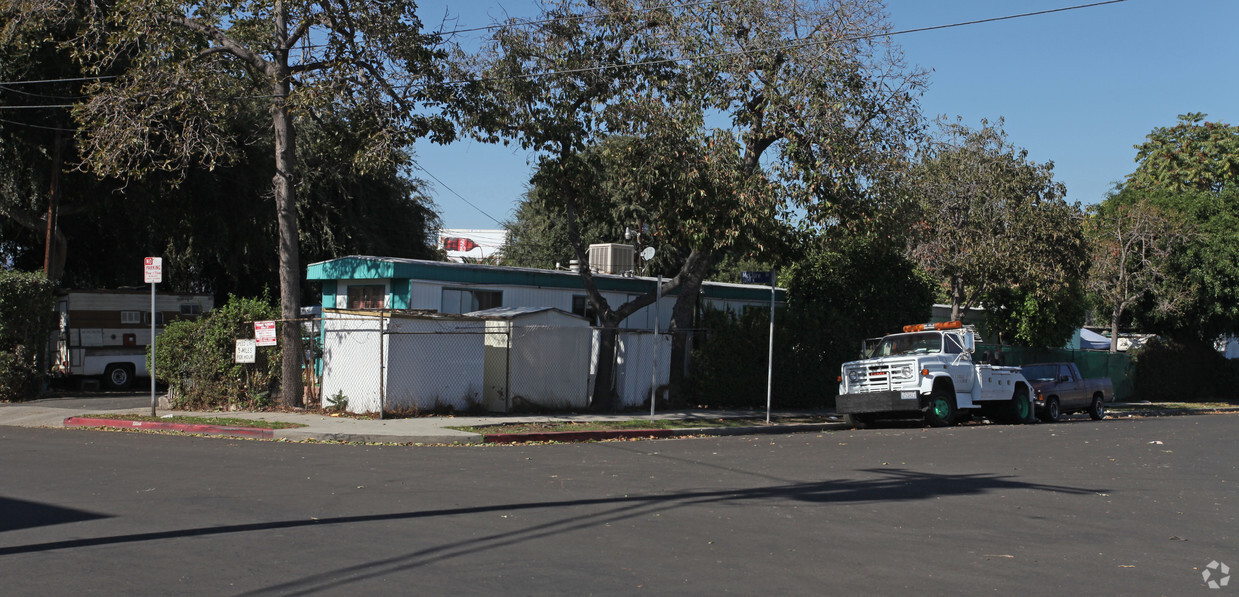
(1040, 372)
(925, 343)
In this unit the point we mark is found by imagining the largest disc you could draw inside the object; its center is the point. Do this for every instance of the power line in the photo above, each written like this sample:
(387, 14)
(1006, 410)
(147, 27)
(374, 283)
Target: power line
(788, 46)
(36, 107)
(458, 195)
(35, 126)
(688, 58)
(58, 80)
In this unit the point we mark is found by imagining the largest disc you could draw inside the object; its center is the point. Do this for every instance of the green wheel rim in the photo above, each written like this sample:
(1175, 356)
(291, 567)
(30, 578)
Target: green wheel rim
(1022, 406)
(942, 409)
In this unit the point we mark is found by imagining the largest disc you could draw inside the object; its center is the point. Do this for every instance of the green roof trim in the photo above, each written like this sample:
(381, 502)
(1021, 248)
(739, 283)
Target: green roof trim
(357, 267)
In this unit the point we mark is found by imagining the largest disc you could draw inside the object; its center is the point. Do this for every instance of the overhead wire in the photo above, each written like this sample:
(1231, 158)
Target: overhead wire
(458, 195)
(601, 68)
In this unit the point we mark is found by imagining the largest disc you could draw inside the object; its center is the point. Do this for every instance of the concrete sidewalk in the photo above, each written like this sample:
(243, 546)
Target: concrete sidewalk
(419, 430)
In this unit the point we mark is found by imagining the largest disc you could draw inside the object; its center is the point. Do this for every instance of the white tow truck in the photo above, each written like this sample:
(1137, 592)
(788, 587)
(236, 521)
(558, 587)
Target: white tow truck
(928, 371)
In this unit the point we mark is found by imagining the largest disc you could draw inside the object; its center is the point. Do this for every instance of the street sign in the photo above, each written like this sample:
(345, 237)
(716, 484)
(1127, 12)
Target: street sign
(153, 270)
(264, 333)
(247, 351)
(755, 278)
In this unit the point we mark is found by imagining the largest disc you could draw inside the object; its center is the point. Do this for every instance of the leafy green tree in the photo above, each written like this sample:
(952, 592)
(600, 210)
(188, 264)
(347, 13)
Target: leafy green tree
(1191, 155)
(187, 65)
(1033, 319)
(817, 101)
(1203, 271)
(1133, 243)
(995, 227)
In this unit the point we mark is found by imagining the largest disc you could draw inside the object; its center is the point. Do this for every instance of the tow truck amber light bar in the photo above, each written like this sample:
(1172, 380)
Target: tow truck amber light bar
(921, 327)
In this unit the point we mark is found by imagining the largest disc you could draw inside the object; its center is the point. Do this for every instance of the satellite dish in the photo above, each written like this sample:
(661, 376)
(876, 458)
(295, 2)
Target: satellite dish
(648, 253)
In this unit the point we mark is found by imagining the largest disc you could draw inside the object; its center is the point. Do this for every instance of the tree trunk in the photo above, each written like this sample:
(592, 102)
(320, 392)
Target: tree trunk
(605, 398)
(52, 255)
(1114, 329)
(289, 246)
(683, 319)
(957, 298)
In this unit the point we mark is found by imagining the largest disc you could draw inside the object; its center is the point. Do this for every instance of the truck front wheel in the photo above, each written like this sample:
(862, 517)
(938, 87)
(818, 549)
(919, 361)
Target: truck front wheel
(1097, 410)
(859, 420)
(118, 376)
(942, 410)
(1051, 414)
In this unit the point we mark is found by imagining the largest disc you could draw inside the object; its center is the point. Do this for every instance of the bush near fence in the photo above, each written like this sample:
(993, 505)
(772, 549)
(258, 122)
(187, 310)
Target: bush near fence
(26, 306)
(195, 359)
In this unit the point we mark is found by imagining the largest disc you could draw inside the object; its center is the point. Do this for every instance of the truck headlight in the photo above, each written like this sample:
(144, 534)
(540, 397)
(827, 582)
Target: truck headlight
(905, 372)
(853, 376)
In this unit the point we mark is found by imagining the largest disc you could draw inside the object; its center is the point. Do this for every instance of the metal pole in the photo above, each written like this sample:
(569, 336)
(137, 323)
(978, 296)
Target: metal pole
(770, 360)
(658, 295)
(382, 363)
(152, 349)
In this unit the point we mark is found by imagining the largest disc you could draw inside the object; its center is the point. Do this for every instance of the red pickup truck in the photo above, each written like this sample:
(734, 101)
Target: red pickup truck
(1059, 389)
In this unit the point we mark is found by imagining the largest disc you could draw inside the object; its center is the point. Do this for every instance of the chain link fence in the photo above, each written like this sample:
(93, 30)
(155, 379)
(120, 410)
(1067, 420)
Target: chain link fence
(410, 364)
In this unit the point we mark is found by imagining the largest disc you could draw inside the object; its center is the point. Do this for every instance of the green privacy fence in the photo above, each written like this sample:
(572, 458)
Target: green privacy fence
(1092, 363)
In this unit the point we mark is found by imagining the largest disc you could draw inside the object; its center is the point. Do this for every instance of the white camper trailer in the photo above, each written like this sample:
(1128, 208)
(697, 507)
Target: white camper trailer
(104, 333)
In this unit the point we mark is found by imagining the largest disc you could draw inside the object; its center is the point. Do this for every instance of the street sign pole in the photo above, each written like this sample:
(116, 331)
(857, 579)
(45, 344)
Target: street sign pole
(153, 274)
(770, 361)
(658, 295)
(153, 349)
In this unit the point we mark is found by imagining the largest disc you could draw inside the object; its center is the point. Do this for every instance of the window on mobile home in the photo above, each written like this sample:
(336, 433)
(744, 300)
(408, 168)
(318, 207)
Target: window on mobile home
(459, 300)
(368, 296)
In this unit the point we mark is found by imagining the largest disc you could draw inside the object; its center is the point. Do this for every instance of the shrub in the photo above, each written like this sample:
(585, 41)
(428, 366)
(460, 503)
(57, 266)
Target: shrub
(26, 305)
(196, 359)
(1168, 370)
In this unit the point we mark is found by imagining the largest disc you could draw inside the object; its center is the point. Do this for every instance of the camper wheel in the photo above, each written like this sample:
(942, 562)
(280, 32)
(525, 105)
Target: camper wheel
(118, 376)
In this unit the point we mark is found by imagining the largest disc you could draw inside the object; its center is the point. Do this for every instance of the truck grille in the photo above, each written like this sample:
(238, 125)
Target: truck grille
(880, 377)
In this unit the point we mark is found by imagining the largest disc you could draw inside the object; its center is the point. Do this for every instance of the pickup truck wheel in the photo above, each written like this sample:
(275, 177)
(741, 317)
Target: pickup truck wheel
(860, 420)
(1051, 414)
(942, 410)
(117, 376)
(1097, 411)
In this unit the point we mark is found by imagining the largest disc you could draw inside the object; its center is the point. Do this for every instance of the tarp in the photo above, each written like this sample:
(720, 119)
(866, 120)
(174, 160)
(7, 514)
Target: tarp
(1090, 340)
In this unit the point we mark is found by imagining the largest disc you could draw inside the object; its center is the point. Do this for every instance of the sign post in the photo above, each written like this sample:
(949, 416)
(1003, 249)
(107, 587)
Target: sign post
(770, 360)
(658, 296)
(153, 274)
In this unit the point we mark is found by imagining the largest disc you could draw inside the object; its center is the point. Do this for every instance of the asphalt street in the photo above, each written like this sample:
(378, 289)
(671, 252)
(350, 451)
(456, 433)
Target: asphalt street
(1126, 506)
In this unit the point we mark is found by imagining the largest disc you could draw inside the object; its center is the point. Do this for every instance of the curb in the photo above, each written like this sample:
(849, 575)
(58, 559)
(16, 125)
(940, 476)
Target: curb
(574, 436)
(585, 436)
(225, 430)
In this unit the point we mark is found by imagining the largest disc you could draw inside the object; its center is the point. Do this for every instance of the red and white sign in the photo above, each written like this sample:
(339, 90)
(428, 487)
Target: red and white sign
(153, 270)
(264, 333)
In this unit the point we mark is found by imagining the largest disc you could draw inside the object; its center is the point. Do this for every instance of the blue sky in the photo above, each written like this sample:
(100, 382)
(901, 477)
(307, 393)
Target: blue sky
(1078, 88)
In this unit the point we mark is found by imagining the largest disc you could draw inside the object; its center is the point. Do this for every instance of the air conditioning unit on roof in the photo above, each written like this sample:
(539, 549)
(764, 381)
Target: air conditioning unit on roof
(612, 258)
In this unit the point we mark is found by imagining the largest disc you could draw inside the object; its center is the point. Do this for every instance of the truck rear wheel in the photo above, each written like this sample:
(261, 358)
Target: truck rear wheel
(118, 376)
(941, 411)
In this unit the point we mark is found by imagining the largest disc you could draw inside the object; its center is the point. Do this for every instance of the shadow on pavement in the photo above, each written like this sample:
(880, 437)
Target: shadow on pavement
(20, 514)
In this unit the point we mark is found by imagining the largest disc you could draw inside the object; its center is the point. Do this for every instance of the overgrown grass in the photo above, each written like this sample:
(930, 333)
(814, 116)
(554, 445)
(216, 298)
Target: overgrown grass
(220, 421)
